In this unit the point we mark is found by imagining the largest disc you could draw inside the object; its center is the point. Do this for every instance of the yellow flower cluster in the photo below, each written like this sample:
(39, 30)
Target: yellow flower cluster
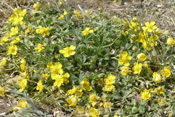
(87, 31)
(14, 31)
(93, 97)
(148, 37)
(39, 86)
(29, 29)
(12, 49)
(125, 70)
(137, 68)
(93, 112)
(21, 104)
(72, 100)
(4, 39)
(23, 65)
(37, 6)
(166, 72)
(23, 84)
(43, 30)
(24, 75)
(109, 83)
(62, 15)
(57, 74)
(145, 95)
(77, 14)
(124, 58)
(40, 47)
(76, 91)
(170, 41)
(17, 16)
(85, 85)
(68, 51)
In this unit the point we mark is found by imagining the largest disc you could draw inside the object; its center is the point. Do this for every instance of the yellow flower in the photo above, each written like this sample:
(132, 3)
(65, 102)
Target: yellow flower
(133, 24)
(12, 49)
(149, 26)
(125, 23)
(109, 88)
(23, 84)
(39, 86)
(166, 72)
(60, 2)
(157, 77)
(29, 29)
(141, 57)
(56, 69)
(40, 47)
(37, 6)
(17, 16)
(15, 40)
(85, 85)
(68, 51)
(18, 12)
(61, 16)
(18, 20)
(159, 90)
(45, 76)
(76, 90)
(115, 115)
(14, 31)
(170, 41)
(3, 61)
(4, 40)
(93, 98)
(65, 13)
(107, 105)
(137, 68)
(72, 91)
(72, 100)
(77, 14)
(21, 104)
(58, 80)
(43, 30)
(87, 31)
(2, 91)
(65, 77)
(23, 65)
(110, 80)
(24, 75)
(93, 112)
(125, 70)
(50, 65)
(124, 58)
(145, 95)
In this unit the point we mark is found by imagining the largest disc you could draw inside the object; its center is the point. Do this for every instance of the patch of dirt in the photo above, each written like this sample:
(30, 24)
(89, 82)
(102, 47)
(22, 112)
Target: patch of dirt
(149, 10)
(6, 104)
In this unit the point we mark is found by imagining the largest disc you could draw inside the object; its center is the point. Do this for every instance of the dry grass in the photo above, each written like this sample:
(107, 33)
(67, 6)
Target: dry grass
(157, 10)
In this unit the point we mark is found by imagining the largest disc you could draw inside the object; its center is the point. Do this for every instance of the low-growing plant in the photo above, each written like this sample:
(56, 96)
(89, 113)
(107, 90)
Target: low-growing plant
(91, 64)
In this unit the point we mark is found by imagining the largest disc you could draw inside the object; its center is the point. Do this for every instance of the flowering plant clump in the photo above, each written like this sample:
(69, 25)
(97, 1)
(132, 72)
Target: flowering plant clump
(87, 64)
